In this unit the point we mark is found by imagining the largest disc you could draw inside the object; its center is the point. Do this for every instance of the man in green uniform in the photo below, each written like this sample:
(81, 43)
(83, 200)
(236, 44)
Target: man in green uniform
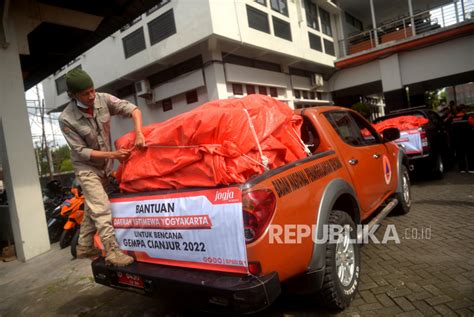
(85, 123)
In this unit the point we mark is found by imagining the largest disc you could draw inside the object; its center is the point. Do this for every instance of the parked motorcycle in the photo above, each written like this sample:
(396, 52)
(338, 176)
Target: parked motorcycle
(72, 210)
(53, 197)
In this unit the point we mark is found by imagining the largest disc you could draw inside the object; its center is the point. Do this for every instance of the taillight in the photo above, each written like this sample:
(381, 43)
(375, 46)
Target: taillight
(424, 141)
(258, 207)
(255, 268)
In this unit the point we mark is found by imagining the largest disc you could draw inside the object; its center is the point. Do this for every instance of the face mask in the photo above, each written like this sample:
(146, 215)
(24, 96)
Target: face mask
(81, 105)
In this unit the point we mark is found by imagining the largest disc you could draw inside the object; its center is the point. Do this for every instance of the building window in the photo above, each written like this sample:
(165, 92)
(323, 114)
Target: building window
(237, 89)
(311, 15)
(319, 95)
(262, 2)
(281, 28)
(258, 20)
(244, 61)
(279, 6)
(354, 22)
(191, 96)
(134, 43)
(329, 47)
(61, 84)
(156, 7)
(297, 94)
(312, 95)
(315, 42)
(325, 22)
(167, 104)
(162, 27)
(262, 90)
(305, 94)
(176, 70)
(126, 91)
(250, 89)
(273, 92)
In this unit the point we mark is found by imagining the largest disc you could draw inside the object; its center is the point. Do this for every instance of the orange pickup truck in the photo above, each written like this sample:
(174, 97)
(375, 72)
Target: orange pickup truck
(353, 176)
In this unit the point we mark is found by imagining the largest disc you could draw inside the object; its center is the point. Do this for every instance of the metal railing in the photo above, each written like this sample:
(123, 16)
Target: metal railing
(409, 26)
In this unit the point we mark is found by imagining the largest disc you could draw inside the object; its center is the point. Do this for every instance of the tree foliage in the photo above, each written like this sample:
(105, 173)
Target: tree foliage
(362, 108)
(61, 158)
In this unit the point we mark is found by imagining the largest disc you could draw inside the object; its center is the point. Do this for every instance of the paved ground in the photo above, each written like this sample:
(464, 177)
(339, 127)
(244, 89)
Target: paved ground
(431, 275)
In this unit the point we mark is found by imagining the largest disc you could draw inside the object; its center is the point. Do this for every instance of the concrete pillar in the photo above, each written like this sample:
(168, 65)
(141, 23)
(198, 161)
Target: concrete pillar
(390, 73)
(412, 19)
(214, 73)
(21, 176)
(374, 22)
(455, 2)
(289, 87)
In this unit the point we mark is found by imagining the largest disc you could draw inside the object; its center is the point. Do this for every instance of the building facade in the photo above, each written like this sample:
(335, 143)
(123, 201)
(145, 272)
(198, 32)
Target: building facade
(183, 53)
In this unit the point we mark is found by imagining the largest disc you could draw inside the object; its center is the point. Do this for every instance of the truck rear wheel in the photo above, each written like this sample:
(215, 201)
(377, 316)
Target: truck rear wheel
(438, 168)
(342, 271)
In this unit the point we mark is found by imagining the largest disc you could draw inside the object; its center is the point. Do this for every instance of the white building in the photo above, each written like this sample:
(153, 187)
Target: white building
(182, 53)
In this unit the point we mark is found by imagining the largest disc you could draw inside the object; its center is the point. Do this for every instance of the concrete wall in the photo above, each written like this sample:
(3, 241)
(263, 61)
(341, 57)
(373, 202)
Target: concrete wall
(436, 61)
(355, 76)
(229, 19)
(405, 68)
(106, 61)
(195, 21)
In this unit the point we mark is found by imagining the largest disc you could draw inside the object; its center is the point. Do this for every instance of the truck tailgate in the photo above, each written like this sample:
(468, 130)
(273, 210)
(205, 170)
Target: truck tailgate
(411, 142)
(201, 229)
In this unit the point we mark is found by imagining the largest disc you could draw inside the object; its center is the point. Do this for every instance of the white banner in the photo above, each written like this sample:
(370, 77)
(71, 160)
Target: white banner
(199, 229)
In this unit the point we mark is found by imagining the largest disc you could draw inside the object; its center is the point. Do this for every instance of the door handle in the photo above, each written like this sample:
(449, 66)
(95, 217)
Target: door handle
(353, 161)
(376, 156)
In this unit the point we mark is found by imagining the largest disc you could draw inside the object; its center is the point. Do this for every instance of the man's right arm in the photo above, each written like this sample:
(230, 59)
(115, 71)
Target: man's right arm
(119, 155)
(78, 145)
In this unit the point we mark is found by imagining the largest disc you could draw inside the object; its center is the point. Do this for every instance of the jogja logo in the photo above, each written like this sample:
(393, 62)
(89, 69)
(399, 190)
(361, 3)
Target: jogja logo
(225, 196)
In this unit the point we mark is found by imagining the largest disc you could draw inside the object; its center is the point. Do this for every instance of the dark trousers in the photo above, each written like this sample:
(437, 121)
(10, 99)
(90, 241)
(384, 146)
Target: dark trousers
(465, 155)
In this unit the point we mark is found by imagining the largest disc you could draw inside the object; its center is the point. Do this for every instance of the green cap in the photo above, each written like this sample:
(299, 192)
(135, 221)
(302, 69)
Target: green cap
(78, 80)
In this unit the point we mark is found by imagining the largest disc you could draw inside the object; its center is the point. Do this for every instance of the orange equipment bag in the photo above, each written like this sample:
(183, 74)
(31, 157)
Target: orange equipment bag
(219, 143)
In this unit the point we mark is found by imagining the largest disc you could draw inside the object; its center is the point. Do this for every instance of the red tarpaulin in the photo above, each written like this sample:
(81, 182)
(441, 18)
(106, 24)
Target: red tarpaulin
(216, 143)
(403, 123)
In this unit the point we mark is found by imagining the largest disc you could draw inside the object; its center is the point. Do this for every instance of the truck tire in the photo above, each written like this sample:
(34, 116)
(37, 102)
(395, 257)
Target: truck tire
(438, 167)
(404, 197)
(342, 271)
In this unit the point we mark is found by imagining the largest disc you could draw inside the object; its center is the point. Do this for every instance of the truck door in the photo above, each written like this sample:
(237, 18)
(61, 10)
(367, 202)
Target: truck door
(365, 156)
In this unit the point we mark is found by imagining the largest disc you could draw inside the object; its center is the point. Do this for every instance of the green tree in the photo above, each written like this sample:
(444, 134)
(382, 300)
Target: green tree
(443, 96)
(432, 99)
(66, 166)
(60, 155)
(363, 109)
(61, 160)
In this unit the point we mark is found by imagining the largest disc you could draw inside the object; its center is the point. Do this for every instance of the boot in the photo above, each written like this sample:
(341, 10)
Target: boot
(114, 255)
(90, 252)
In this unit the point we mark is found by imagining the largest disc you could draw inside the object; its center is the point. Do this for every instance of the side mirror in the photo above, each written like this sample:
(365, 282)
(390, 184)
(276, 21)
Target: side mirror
(390, 134)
